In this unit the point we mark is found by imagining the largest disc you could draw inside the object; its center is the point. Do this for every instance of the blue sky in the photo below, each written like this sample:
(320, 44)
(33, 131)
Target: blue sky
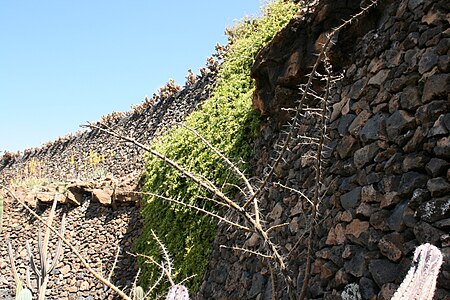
(63, 63)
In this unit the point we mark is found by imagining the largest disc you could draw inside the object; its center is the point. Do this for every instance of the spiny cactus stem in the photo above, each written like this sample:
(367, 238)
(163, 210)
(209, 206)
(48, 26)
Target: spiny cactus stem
(420, 282)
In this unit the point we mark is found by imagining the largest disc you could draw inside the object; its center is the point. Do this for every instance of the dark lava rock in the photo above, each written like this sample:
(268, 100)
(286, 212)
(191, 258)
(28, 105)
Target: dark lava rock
(398, 123)
(348, 183)
(374, 129)
(328, 270)
(411, 40)
(395, 220)
(438, 186)
(373, 178)
(357, 265)
(436, 167)
(257, 285)
(414, 161)
(434, 210)
(416, 141)
(439, 128)
(436, 86)
(357, 88)
(446, 120)
(383, 271)
(428, 35)
(428, 61)
(387, 291)
(394, 164)
(358, 122)
(409, 98)
(343, 168)
(391, 246)
(344, 123)
(389, 183)
(419, 196)
(351, 199)
(316, 290)
(430, 111)
(346, 146)
(442, 148)
(411, 181)
(444, 63)
(365, 154)
(368, 288)
(378, 219)
(221, 274)
(401, 82)
(442, 224)
(425, 233)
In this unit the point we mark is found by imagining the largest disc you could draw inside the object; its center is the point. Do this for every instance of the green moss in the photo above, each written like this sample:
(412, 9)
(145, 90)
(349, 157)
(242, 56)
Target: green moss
(228, 122)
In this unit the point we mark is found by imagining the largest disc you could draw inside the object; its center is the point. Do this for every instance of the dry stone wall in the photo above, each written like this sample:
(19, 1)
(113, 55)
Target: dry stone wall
(385, 171)
(97, 230)
(386, 166)
(90, 153)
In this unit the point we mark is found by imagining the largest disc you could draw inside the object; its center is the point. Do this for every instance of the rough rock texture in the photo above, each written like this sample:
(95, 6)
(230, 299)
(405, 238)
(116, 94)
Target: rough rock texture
(386, 168)
(95, 230)
(102, 211)
(285, 64)
(90, 153)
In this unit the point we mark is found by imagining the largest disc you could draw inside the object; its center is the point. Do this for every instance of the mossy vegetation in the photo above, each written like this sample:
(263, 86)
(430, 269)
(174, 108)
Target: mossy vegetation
(228, 122)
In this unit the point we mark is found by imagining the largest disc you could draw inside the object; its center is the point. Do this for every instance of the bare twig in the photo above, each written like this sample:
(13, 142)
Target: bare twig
(276, 226)
(116, 258)
(255, 224)
(133, 287)
(204, 211)
(318, 168)
(167, 269)
(233, 167)
(151, 260)
(195, 178)
(272, 280)
(187, 278)
(248, 251)
(295, 191)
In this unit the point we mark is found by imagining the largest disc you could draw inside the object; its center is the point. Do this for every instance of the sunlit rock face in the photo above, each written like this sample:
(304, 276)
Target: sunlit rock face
(385, 169)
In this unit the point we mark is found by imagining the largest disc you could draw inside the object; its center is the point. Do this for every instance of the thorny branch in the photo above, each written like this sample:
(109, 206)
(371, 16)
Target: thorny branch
(254, 223)
(315, 200)
(253, 219)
